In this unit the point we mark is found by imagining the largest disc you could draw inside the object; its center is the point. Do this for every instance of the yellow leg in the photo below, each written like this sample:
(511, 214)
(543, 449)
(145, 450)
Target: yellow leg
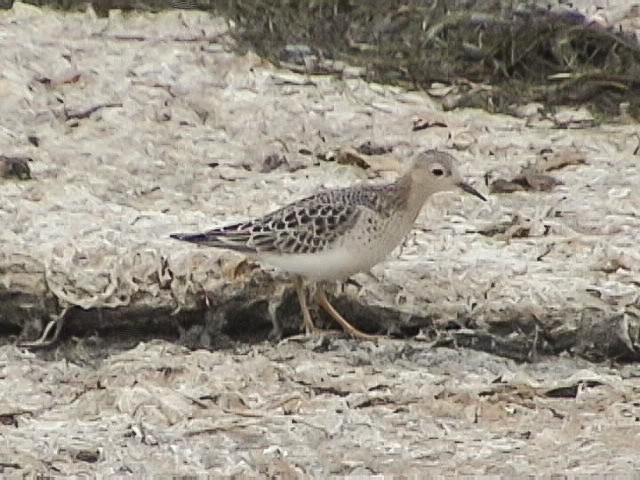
(321, 298)
(309, 327)
(43, 342)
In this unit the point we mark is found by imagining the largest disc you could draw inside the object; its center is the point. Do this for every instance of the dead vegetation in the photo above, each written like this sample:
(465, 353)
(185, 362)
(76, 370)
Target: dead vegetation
(526, 53)
(168, 128)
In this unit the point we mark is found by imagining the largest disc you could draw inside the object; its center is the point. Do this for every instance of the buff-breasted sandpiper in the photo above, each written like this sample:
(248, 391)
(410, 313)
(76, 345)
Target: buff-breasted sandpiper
(334, 234)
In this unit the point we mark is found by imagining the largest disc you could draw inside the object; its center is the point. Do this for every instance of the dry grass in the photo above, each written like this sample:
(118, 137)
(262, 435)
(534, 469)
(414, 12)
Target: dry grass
(526, 55)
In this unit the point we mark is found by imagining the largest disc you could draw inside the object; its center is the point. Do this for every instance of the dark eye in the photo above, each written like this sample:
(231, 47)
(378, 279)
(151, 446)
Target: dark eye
(438, 172)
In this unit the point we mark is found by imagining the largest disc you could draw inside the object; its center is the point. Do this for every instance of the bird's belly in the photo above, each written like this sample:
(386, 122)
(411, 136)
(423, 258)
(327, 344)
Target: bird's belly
(358, 253)
(331, 264)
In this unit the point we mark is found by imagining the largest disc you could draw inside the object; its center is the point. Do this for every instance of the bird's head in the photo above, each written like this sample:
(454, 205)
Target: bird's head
(436, 171)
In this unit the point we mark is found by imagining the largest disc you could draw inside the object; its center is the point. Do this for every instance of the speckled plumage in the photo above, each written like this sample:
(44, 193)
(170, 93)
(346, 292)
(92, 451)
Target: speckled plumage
(335, 233)
(313, 224)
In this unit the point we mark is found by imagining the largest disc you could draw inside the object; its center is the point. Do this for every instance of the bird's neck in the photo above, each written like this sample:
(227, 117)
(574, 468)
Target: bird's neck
(413, 192)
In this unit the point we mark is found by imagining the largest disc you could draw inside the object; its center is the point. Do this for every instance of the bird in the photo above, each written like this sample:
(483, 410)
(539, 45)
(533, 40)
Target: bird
(333, 234)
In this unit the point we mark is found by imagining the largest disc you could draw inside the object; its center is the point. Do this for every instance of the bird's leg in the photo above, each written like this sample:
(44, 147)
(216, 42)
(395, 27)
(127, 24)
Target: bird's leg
(309, 327)
(275, 301)
(321, 298)
(43, 342)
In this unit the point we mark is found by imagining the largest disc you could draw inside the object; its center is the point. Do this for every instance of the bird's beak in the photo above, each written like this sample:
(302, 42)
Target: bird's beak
(469, 189)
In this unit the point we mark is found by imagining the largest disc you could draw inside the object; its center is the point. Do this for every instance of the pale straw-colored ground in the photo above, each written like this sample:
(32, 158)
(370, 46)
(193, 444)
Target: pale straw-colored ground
(177, 142)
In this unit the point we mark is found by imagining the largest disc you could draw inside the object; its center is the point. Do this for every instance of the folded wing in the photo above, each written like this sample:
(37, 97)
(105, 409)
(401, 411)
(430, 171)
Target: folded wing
(307, 226)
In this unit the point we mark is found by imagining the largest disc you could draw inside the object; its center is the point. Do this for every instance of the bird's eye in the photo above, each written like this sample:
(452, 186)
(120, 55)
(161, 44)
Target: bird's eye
(438, 172)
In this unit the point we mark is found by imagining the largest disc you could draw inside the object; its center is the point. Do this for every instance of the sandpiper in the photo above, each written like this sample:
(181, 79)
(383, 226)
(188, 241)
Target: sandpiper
(334, 234)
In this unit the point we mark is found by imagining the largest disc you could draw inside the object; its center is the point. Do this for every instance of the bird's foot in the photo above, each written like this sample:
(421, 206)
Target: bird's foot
(309, 333)
(355, 333)
(45, 340)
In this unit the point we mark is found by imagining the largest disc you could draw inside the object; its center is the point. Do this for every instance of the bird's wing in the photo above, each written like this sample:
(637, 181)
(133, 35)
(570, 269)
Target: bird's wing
(305, 226)
(234, 237)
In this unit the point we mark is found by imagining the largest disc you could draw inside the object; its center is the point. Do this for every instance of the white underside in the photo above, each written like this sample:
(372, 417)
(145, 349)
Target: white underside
(355, 253)
(329, 265)
(363, 246)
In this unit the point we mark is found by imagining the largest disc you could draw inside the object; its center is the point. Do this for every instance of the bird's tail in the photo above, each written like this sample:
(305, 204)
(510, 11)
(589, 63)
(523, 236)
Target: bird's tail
(191, 237)
(218, 238)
